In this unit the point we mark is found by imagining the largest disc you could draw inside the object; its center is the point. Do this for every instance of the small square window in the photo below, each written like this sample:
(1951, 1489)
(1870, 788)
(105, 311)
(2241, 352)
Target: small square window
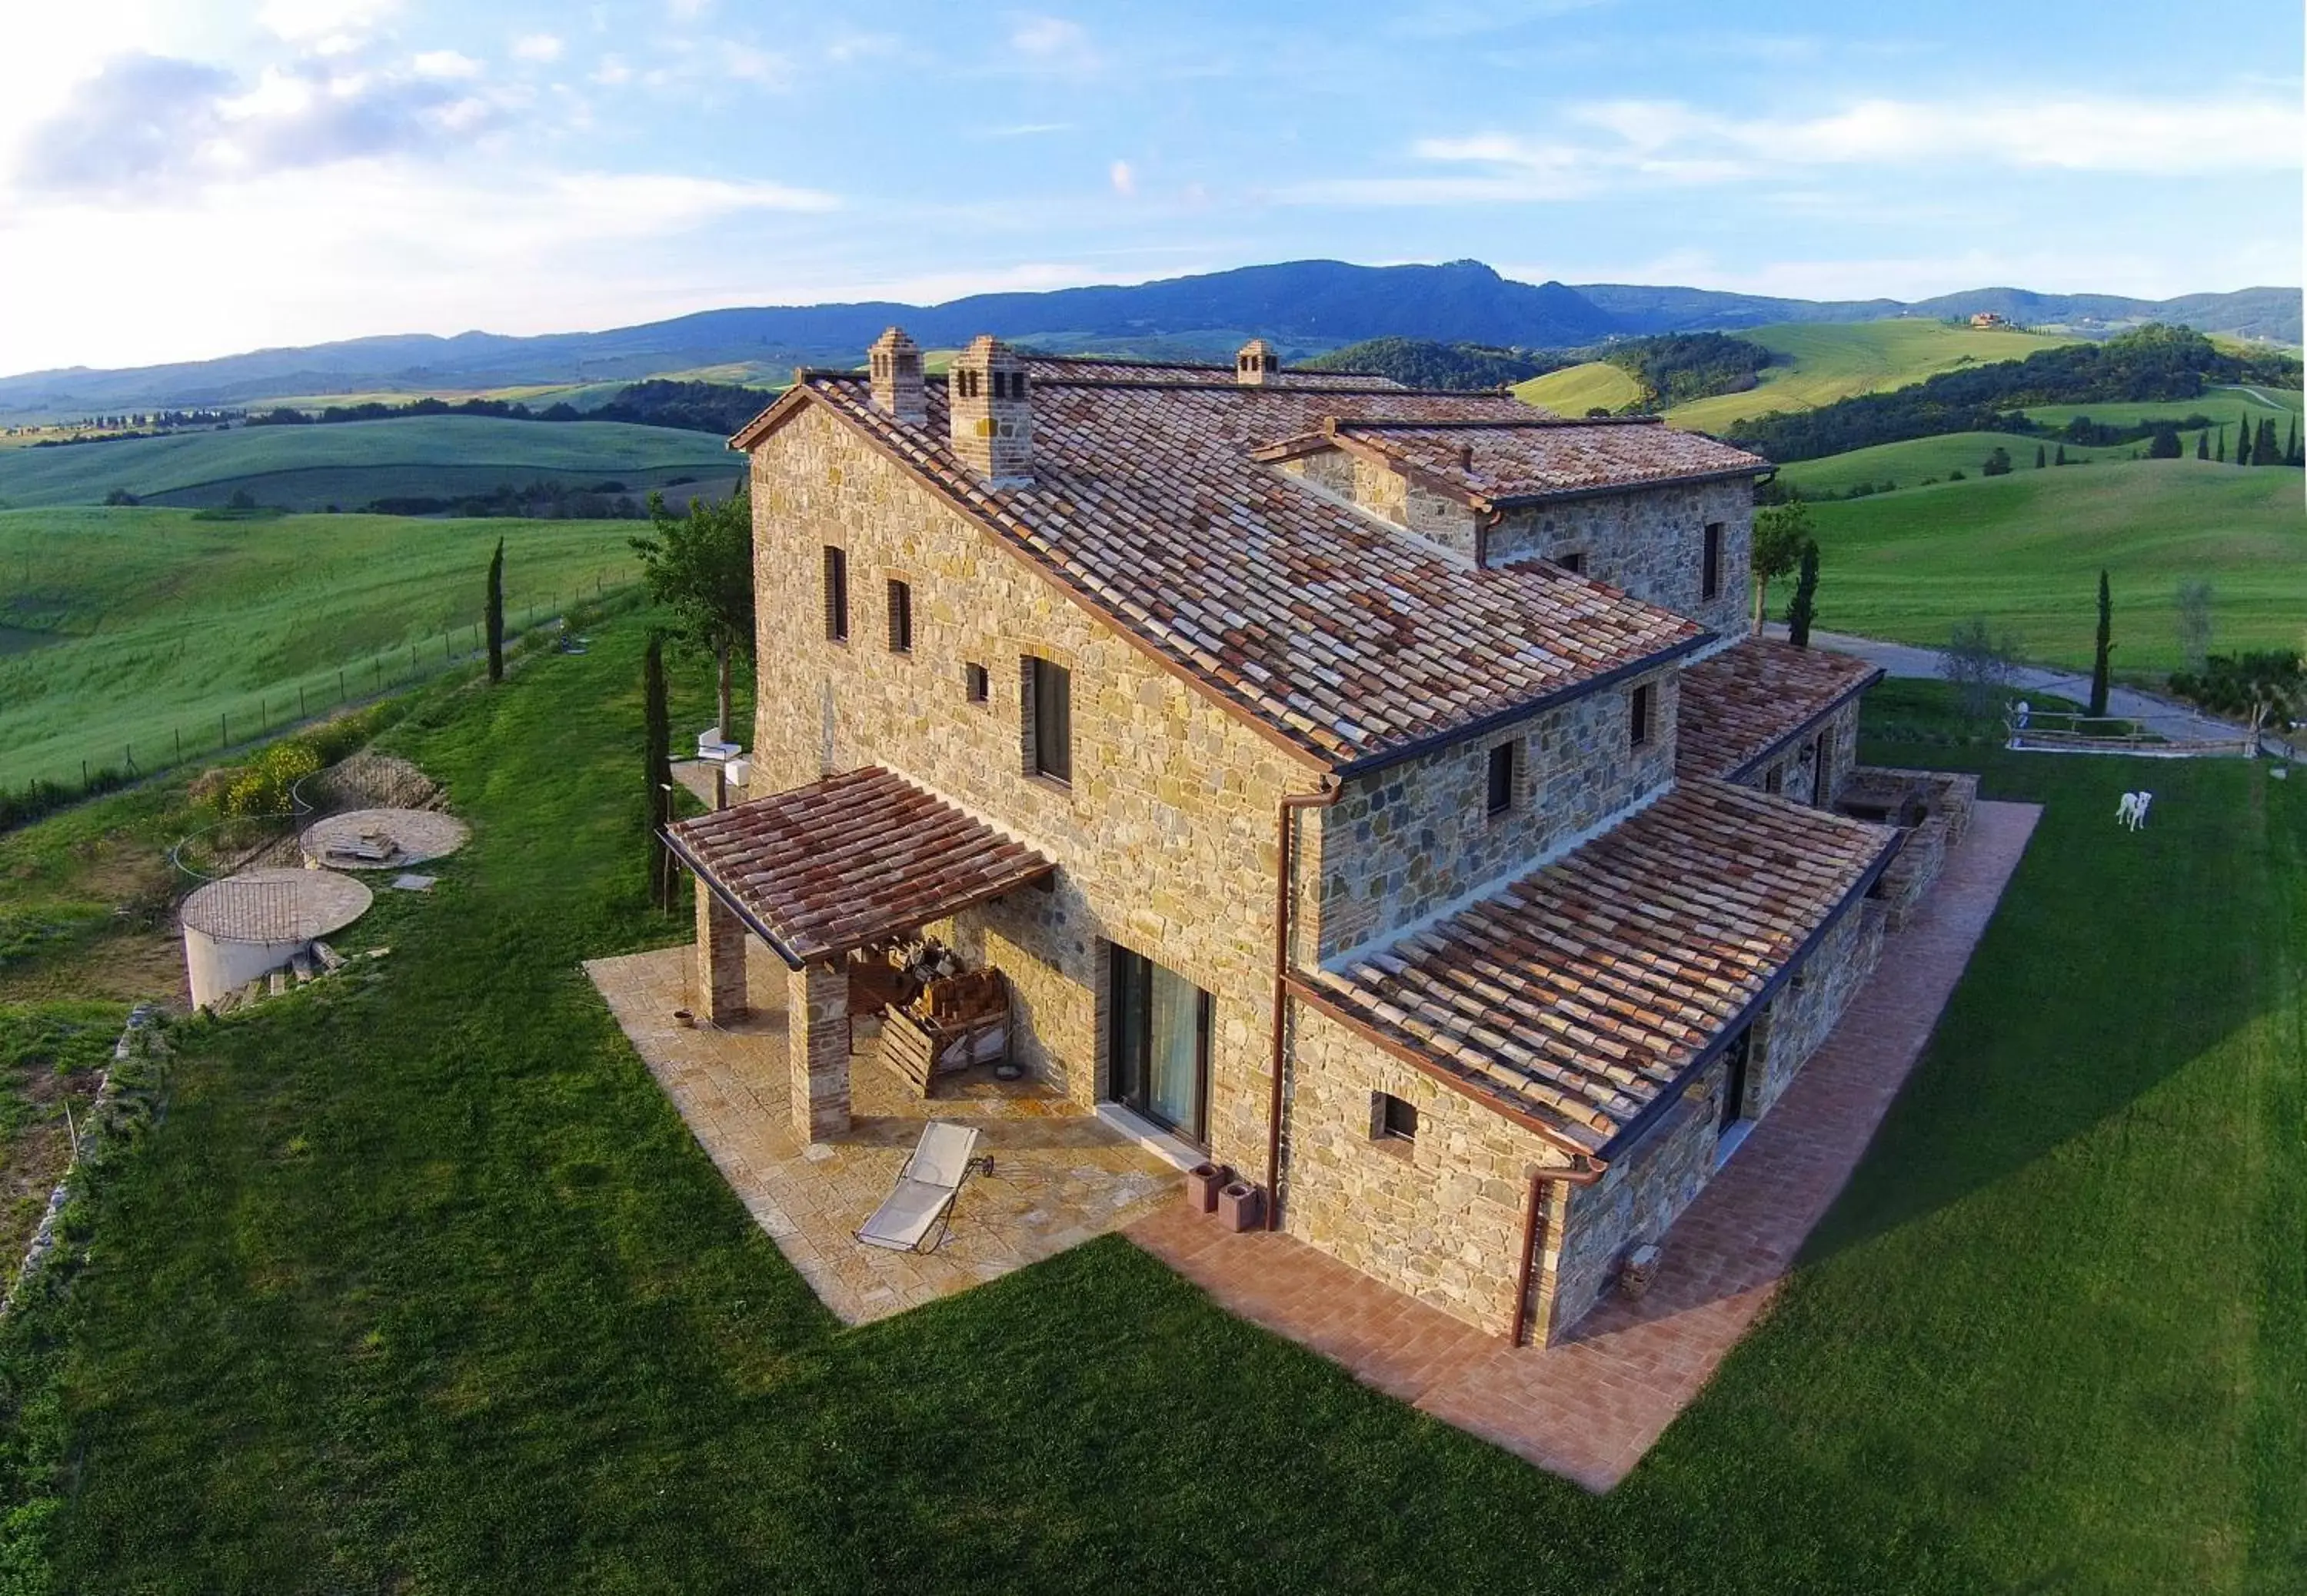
(1573, 563)
(1394, 1120)
(1638, 717)
(980, 683)
(901, 617)
(1501, 778)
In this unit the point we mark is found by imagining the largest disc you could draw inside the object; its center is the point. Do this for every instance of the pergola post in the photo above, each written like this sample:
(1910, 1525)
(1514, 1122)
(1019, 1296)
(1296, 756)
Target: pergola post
(720, 959)
(817, 1049)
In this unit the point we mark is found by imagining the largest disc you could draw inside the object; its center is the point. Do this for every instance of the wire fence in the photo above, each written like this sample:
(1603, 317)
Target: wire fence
(260, 715)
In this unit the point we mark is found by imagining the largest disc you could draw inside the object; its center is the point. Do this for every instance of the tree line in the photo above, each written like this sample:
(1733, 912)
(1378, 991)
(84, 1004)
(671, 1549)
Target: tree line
(717, 407)
(2154, 364)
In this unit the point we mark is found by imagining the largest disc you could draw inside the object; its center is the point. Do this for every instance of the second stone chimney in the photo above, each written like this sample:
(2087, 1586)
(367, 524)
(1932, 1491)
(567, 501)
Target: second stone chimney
(894, 363)
(1255, 364)
(992, 411)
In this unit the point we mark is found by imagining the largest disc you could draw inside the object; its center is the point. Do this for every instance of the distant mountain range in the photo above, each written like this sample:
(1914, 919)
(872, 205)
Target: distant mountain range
(1304, 306)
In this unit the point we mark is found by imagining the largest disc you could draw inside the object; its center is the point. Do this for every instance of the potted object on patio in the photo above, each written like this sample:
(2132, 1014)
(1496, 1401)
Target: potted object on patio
(1639, 1270)
(1240, 1206)
(1204, 1182)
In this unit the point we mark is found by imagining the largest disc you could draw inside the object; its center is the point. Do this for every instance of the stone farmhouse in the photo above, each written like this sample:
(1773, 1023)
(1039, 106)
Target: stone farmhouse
(1375, 791)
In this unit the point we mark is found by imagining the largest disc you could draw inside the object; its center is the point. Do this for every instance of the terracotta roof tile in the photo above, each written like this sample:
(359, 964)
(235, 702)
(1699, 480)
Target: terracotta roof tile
(1544, 457)
(851, 860)
(1351, 640)
(1739, 705)
(1581, 993)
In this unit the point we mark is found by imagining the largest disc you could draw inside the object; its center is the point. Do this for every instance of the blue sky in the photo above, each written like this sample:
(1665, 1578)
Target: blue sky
(181, 178)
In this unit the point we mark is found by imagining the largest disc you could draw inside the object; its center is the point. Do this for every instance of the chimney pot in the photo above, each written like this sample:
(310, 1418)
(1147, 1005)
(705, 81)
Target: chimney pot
(894, 364)
(991, 412)
(1255, 364)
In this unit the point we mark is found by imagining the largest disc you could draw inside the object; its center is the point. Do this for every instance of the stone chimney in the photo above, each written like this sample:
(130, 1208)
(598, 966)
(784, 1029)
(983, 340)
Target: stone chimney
(1255, 364)
(992, 413)
(895, 361)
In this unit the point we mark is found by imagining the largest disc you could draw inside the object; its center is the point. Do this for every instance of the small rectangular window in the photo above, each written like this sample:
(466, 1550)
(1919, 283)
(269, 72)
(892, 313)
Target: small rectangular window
(981, 684)
(1638, 717)
(1050, 689)
(1501, 778)
(1397, 1121)
(901, 617)
(1575, 562)
(1710, 576)
(837, 595)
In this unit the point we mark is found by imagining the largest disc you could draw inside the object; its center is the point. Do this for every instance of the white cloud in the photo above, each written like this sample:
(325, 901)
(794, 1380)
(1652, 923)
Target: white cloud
(1669, 143)
(328, 27)
(1124, 179)
(373, 246)
(1051, 43)
(750, 65)
(538, 46)
(612, 72)
(446, 63)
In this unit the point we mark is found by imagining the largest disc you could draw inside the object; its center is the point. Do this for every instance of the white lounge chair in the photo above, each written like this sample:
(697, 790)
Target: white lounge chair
(711, 746)
(926, 1186)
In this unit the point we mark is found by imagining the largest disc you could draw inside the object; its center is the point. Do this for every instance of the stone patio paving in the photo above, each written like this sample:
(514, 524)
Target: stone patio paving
(1059, 1177)
(1590, 1407)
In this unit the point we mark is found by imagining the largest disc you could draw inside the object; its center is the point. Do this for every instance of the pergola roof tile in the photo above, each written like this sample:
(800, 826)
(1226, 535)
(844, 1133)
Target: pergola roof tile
(849, 861)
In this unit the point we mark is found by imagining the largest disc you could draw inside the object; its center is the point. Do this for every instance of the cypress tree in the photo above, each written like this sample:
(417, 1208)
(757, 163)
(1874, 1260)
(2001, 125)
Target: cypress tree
(2038, 456)
(656, 736)
(2222, 456)
(496, 613)
(2203, 444)
(1803, 610)
(2062, 460)
(2291, 446)
(2263, 452)
(2105, 647)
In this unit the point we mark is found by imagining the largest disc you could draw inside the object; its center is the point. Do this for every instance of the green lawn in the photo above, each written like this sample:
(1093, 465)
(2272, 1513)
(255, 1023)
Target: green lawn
(421, 1285)
(2222, 404)
(125, 628)
(1821, 362)
(350, 464)
(1908, 463)
(2025, 550)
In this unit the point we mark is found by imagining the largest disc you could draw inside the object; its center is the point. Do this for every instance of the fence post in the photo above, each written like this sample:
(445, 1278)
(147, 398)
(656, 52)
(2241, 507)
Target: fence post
(180, 745)
(300, 701)
(224, 732)
(340, 684)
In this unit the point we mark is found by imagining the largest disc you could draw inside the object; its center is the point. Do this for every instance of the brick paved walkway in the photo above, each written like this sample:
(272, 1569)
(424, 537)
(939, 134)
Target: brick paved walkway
(1589, 1408)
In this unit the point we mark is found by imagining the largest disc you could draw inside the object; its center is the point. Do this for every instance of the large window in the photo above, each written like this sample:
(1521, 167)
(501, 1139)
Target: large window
(1161, 1043)
(837, 595)
(1050, 719)
(1710, 575)
(901, 617)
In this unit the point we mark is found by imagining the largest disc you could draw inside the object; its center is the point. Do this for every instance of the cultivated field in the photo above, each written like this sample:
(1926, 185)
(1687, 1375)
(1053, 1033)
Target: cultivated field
(2025, 550)
(1575, 389)
(350, 464)
(1819, 363)
(420, 1284)
(2224, 405)
(122, 628)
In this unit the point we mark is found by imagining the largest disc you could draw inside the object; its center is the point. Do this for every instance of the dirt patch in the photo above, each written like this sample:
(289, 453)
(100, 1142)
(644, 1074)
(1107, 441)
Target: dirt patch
(369, 780)
(126, 965)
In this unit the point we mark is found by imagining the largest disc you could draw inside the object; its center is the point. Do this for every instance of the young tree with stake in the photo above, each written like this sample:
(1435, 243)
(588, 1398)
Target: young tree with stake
(2105, 647)
(656, 737)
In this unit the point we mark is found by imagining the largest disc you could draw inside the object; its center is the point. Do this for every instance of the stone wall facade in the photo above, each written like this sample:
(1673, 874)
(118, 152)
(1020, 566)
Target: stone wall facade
(1813, 1000)
(1404, 841)
(1793, 770)
(1650, 542)
(1439, 1217)
(1165, 834)
(1442, 520)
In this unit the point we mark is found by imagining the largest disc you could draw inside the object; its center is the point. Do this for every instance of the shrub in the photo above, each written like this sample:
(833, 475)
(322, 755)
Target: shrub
(262, 787)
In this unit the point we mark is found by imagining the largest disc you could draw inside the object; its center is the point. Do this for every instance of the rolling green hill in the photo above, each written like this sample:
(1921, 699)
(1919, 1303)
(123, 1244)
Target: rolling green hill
(2025, 550)
(351, 463)
(1574, 390)
(1908, 463)
(121, 627)
(1819, 363)
(2228, 405)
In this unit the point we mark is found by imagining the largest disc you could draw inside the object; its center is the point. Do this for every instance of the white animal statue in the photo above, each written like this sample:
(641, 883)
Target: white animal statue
(2126, 812)
(2140, 818)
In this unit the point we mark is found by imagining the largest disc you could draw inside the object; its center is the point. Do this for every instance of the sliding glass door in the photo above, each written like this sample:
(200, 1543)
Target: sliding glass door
(1161, 1044)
